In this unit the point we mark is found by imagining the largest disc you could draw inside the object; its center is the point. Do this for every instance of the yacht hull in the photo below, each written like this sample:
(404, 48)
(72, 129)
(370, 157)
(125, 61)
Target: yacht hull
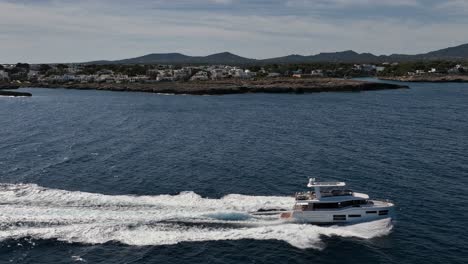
(342, 215)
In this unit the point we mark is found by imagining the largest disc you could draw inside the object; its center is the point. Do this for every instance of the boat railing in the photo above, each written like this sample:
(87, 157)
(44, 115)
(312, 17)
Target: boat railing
(382, 200)
(310, 207)
(300, 196)
(311, 195)
(339, 193)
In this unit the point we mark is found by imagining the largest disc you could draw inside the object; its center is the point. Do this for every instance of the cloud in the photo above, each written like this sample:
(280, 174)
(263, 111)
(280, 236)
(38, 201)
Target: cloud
(457, 6)
(64, 31)
(351, 3)
(223, 2)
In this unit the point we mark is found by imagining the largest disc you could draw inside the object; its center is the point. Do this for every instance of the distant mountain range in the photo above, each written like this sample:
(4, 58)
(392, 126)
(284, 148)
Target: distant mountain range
(349, 56)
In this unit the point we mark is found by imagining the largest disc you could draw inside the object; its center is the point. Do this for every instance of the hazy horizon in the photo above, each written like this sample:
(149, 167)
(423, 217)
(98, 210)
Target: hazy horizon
(54, 31)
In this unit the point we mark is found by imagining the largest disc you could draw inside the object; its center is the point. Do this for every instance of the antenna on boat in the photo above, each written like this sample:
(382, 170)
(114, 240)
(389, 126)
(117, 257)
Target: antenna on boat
(311, 182)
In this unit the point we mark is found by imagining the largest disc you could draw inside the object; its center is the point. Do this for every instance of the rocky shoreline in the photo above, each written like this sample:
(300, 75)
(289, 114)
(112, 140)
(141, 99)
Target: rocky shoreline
(14, 94)
(234, 86)
(427, 78)
(7, 86)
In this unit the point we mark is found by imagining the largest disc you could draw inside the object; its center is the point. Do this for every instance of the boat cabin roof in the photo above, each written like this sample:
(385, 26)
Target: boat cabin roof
(333, 195)
(334, 199)
(326, 184)
(313, 183)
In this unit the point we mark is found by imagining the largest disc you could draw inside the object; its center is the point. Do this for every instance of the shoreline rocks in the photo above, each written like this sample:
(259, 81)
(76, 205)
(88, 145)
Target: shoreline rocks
(8, 86)
(428, 78)
(235, 86)
(14, 94)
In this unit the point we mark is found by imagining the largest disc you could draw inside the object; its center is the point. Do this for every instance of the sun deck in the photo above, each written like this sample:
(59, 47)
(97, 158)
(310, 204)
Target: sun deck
(313, 183)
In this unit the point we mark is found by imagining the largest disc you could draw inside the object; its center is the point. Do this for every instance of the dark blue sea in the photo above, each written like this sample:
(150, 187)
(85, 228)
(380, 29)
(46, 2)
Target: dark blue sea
(118, 177)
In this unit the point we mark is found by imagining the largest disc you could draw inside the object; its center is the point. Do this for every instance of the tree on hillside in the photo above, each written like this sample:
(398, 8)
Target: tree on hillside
(43, 68)
(62, 66)
(22, 65)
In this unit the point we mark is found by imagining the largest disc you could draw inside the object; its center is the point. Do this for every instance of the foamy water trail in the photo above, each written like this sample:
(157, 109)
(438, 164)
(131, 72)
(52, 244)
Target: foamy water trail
(28, 210)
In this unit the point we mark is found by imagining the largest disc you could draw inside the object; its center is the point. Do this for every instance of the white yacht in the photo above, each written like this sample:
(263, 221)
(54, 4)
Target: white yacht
(331, 203)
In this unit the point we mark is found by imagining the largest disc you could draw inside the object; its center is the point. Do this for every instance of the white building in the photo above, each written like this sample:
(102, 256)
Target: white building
(139, 78)
(9, 66)
(250, 74)
(219, 74)
(461, 68)
(318, 73)
(105, 77)
(162, 78)
(274, 75)
(72, 69)
(379, 68)
(165, 76)
(200, 76)
(86, 78)
(33, 74)
(420, 72)
(58, 78)
(121, 78)
(105, 72)
(181, 74)
(109, 78)
(4, 75)
(368, 67)
(239, 73)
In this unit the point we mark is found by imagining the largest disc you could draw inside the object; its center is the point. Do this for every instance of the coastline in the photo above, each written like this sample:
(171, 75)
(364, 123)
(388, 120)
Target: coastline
(12, 93)
(428, 78)
(233, 86)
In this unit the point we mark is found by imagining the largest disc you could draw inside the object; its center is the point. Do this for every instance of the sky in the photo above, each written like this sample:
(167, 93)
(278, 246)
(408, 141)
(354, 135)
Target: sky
(47, 31)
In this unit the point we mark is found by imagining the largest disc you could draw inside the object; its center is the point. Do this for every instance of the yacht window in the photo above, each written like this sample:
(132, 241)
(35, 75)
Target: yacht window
(354, 215)
(383, 212)
(325, 205)
(346, 203)
(339, 217)
(371, 212)
(352, 203)
(356, 202)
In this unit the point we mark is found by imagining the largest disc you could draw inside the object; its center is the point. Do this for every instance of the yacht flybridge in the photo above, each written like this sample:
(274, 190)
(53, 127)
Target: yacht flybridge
(330, 203)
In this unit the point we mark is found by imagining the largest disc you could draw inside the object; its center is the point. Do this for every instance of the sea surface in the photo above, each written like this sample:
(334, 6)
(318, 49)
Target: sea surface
(120, 177)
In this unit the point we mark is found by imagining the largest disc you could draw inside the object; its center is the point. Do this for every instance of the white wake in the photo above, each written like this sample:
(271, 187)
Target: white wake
(28, 210)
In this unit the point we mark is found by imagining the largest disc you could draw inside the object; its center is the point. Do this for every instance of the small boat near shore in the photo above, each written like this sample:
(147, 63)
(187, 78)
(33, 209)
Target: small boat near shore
(332, 203)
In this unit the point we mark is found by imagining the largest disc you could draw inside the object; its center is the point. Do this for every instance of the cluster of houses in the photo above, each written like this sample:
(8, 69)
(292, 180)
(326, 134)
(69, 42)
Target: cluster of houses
(455, 70)
(106, 76)
(458, 69)
(201, 73)
(314, 73)
(74, 73)
(371, 67)
(363, 69)
(161, 73)
(4, 76)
